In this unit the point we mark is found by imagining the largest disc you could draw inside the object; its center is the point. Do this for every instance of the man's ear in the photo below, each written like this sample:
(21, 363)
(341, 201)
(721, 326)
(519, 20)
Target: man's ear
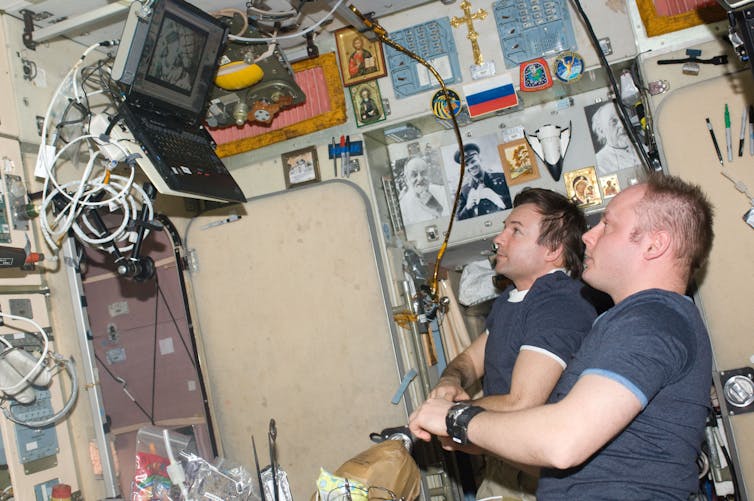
(555, 255)
(658, 244)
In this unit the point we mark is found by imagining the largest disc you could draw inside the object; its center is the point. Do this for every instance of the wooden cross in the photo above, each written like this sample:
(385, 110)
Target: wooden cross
(468, 19)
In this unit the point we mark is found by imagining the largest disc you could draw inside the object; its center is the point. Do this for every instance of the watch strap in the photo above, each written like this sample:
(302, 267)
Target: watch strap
(457, 421)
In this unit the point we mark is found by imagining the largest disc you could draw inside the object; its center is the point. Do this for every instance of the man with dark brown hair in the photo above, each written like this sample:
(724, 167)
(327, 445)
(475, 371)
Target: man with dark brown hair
(534, 327)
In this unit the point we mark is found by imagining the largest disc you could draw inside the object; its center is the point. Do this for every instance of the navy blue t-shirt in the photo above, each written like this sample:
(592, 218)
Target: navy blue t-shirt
(655, 344)
(553, 318)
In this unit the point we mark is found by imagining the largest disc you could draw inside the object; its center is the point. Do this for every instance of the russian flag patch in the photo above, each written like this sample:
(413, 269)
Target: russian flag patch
(490, 95)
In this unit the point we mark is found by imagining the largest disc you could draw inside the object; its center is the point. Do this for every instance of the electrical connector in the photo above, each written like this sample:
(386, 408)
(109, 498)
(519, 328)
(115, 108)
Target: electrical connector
(97, 128)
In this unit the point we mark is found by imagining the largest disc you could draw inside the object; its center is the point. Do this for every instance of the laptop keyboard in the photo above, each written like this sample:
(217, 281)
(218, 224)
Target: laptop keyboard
(182, 150)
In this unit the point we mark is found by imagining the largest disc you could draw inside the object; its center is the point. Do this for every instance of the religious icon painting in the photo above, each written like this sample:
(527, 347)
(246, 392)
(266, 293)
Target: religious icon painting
(367, 103)
(582, 188)
(610, 185)
(519, 161)
(535, 75)
(360, 59)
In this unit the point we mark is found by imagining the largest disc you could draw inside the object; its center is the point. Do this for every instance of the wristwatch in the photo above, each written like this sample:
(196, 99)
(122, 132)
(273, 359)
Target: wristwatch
(457, 421)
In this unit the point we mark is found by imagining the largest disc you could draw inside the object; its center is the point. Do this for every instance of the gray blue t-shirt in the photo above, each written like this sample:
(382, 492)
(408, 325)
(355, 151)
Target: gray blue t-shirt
(552, 318)
(656, 345)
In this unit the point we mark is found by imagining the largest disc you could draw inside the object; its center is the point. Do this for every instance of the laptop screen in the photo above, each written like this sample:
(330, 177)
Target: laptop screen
(178, 60)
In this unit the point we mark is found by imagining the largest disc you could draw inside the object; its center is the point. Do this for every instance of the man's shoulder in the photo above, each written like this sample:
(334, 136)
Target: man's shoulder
(558, 287)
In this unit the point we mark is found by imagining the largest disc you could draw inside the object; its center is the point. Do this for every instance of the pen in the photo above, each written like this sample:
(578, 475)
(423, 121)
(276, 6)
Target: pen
(728, 138)
(714, 141)
(743, 134)
(229, 219)
(334, 158)
(751, 129)
(343, 155)
(347, 166)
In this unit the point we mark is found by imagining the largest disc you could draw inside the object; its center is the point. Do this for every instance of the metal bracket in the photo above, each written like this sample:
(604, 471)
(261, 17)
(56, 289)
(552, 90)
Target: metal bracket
(27, 37)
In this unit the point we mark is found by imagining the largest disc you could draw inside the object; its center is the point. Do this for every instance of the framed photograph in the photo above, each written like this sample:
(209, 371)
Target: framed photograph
(484, 189)
(614, 151)
(519, 162)
(360, 59)
(367, 103)
(301, 167)
(419, 182)
(582, 188)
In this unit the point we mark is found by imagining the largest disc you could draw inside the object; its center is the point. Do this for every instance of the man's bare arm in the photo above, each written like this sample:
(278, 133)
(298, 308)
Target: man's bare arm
(534, 376)
(462, 372)
(560, 435)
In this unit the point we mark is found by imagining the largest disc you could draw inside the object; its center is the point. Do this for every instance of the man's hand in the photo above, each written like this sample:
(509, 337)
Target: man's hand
(493, 197)
(429, 419)
(472, 198)
(450, 390)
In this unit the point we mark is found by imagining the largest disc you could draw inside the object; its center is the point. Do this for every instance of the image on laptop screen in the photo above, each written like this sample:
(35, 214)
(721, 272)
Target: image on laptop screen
(177, 55)
(178, 59)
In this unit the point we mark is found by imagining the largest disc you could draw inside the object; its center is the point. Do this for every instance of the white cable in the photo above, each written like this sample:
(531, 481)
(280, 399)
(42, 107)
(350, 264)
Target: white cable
(292, 35)
(175, 469)
(283, 14)
(740, 186)
(45, 348)
(72, 73)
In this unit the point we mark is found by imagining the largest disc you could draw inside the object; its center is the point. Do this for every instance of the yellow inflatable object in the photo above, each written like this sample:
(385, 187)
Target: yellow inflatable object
(238, 75)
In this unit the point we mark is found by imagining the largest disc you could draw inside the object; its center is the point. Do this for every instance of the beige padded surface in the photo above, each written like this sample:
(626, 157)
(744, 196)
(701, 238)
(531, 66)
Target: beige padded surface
(295, 327)
(727, 287)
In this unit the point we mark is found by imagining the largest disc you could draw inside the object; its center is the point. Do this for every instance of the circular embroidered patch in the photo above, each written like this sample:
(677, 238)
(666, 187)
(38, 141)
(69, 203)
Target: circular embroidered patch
(440, 104)
(569, 66)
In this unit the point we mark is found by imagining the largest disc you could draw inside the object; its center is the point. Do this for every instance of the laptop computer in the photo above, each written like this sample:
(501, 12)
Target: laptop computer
(166, 65)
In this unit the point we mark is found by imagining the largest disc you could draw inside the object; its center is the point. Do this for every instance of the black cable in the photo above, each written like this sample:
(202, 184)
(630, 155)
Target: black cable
(646, 161)
(732, 470)
(178, 246)
(113, 121)
(121, 381)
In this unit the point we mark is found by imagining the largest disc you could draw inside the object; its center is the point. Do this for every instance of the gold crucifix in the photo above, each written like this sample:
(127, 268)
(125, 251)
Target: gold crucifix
(468, 19)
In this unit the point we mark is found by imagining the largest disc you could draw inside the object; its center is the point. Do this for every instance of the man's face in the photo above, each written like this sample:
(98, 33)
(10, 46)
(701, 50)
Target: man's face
(612, 257)
(417, 177)
(357, 43)
(616, 134)
(518, 256)
(474, 164)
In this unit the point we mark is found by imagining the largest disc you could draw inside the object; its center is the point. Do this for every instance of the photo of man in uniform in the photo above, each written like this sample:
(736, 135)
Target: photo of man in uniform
(484, 189)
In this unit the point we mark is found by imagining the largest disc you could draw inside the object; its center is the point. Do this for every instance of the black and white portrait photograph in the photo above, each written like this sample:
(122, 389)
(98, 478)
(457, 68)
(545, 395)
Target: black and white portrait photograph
(419, 181)
(484, 189)
(612, 146)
